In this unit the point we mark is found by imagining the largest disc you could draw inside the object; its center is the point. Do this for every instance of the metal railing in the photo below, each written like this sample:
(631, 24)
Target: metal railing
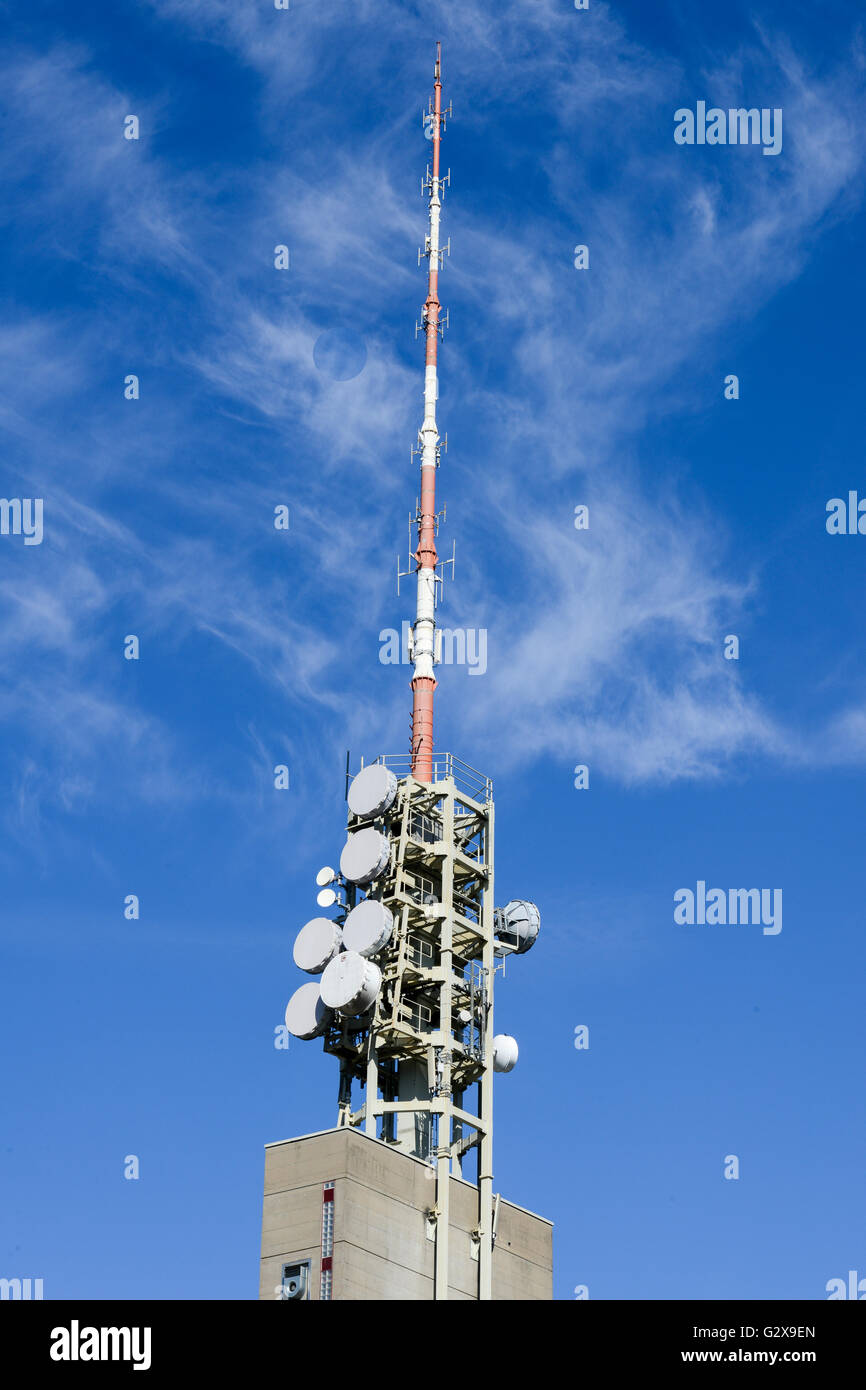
(445, 765)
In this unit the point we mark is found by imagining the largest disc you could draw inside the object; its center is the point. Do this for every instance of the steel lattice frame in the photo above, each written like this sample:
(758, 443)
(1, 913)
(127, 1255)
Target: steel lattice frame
(438, 968)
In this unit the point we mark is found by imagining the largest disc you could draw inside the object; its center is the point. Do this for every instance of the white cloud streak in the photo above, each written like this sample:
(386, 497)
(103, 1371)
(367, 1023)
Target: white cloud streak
(613, 636)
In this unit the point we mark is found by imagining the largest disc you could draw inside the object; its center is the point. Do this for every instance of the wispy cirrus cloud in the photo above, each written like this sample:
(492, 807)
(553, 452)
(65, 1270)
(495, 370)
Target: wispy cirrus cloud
(604, 644)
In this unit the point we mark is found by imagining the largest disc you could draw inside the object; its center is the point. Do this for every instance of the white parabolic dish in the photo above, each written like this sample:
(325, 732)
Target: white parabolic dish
(306, 1015)
(368, 928)
(372, 792)
(504, 1052)
(365, 855)
(350, 983)
(523, 920)
(315, 944)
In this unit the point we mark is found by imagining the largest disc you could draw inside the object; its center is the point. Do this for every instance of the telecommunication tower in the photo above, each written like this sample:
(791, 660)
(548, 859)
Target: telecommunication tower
(407, 958)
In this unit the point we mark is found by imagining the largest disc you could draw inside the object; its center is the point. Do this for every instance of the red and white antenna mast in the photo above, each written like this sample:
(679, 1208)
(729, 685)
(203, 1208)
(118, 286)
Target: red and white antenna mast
(419, 1037)
(426, 558)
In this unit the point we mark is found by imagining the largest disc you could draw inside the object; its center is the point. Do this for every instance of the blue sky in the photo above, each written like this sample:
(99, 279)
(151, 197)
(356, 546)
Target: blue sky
(558, 387)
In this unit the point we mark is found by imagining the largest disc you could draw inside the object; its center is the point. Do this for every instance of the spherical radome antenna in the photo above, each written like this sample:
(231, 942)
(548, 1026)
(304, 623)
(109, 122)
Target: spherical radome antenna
(372, 792)
(306, 1015)
(517, 925)
(366, 854)
(325, 875)
(368, 927)
(505, 1052)
(315, 944)
(350, 983)
(326, 897)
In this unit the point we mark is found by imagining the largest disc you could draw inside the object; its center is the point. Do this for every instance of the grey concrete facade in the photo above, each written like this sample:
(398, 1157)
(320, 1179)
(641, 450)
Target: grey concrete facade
(384, 1235)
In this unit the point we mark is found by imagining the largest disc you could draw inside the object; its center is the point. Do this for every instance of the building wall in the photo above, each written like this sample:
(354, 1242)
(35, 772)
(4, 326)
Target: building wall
(381, 1244)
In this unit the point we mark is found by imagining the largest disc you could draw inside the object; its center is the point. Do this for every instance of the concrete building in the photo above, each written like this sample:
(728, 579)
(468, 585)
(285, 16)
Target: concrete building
(349, 1217)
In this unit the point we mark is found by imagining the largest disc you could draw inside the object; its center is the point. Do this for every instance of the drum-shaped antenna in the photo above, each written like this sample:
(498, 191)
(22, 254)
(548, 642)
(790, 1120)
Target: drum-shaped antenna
(517, 925)
(365, 856)
(505, 1052)
(368, 927)
(373, 791)
(306, 1015)
(316, 944)
(350, 983)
